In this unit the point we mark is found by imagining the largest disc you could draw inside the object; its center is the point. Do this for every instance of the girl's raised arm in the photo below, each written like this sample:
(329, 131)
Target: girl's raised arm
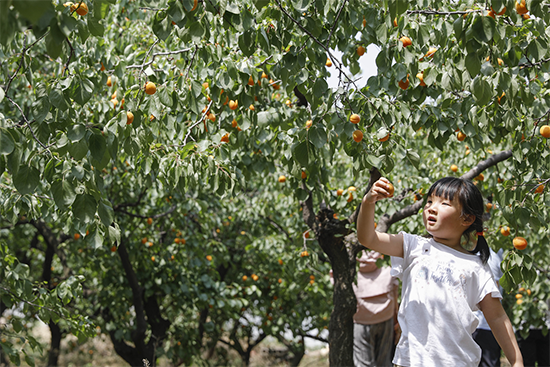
(502, 329)
(388, 244)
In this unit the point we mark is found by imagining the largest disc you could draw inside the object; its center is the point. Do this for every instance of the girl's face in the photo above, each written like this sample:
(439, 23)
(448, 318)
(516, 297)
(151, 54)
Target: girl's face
(443, 219)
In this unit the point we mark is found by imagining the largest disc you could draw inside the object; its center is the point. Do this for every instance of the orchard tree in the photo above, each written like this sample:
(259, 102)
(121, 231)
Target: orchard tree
(216, 97)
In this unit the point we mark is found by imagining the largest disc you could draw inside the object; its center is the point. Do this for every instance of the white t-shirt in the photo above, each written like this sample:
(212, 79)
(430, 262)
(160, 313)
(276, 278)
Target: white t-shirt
(441, 290)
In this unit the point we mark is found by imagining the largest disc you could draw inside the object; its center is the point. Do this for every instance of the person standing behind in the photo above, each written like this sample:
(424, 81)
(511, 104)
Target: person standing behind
(373, 329)
(490, 350)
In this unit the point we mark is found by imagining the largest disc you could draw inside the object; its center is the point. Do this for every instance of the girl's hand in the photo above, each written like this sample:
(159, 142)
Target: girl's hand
(381, 189)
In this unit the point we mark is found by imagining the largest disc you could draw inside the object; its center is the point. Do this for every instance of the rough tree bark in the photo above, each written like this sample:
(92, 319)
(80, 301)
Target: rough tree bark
(148, 314)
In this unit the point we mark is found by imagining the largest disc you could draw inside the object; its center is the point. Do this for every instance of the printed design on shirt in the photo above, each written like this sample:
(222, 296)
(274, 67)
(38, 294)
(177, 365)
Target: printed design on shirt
(427, 270)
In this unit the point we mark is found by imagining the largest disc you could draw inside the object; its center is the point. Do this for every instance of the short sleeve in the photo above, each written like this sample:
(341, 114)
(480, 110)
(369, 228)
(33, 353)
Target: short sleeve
(488, 286)
(398, 264)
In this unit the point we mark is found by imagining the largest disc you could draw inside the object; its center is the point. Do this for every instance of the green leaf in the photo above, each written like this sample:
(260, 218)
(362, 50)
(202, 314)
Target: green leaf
(98, 146)
(300, 152)
(84, 208)
(300, 5)
(84, 90)
(41, 108)
(63, 194)
(106, 212)
(79, 149)
(318, 136)
(483, 28)
(481, 90)
(2, 94)
(261, 3)
(165, 97)
(34, 10)
(7, 144)
(95, 27)
(162, 28)
(247, 43)
(58, 99)
(473, 64)
(26, 180)
(76, 132)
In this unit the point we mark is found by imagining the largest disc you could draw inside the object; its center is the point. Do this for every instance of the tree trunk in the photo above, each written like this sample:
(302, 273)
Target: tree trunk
(330, 234)
(55, 344)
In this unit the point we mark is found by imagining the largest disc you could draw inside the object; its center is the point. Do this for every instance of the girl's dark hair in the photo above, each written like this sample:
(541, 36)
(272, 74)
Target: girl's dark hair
(471, 200)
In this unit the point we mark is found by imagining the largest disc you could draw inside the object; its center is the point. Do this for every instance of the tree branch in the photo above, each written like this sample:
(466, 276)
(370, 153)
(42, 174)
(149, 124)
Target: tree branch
(489, 162)
(158, 54)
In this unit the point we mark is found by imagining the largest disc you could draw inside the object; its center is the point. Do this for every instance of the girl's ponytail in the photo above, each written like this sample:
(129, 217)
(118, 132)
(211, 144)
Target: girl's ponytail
(482, 247)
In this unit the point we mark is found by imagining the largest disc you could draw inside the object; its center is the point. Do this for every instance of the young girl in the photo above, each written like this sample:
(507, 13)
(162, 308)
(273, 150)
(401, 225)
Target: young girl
(443, 283)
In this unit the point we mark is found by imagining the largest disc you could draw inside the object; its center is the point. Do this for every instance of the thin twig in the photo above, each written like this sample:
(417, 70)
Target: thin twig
(335, 22)
(27, 123)
(198, 122)
(70, 56)
(158, 54)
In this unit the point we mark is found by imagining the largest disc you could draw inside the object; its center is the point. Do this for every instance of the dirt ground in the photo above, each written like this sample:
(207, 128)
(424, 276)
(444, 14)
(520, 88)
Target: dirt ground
(99, 352)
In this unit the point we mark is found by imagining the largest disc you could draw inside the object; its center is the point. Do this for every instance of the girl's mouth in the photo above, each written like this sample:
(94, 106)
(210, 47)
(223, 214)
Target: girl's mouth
(431, 219)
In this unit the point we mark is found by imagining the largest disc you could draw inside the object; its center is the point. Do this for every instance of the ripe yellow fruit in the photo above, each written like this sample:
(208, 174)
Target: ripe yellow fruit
(501, 12)
(521, 7)
(454, 167)
(500, 98)
(354, 118)
(391, 189)
(245, 278)
(209, 257)
(431, 52)
(264, 75)
(406, 41)
(234, 123)
(114, 102)
(520, 243)
(505, 231)
(250, 81)
(129, 118)
(364, 22)
(460, 136)
(280, 262)
(251, 107)
(518, 296)
(500, 62)
(480, 177)
(81, 8)
(254, 277)
(357, 136)
(404, 84)
(491, 14)
(539, 189)
(309, 123)
(76, 236)
(304, 175)
(282, 179)
(385, 138)
(350, 198)
(339, 192)
(420, 76)
(225, 138)
(328, 63)
(395, 22)
(149, 221)
(150, 88)
(233, 105)
(545, 131)
(109, 82)
(360, 50)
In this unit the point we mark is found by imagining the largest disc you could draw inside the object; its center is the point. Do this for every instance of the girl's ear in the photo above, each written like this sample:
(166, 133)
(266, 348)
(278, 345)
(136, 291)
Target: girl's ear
(468, 219)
